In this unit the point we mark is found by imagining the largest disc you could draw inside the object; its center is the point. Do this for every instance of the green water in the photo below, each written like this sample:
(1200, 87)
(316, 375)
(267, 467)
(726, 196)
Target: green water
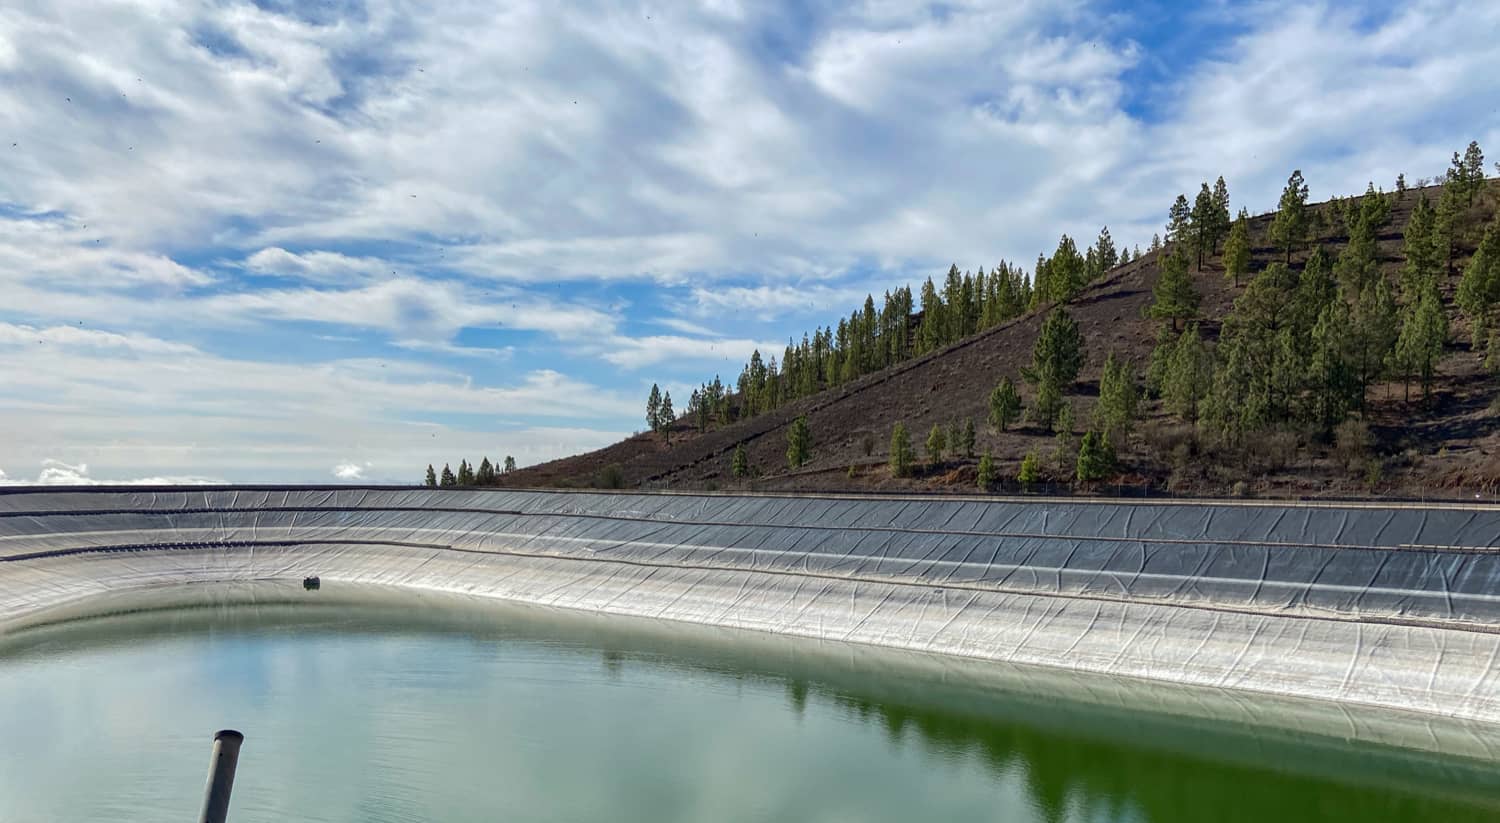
(439, 711)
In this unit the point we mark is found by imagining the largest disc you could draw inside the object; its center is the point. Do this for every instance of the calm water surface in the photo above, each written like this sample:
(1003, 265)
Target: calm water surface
(435, 712)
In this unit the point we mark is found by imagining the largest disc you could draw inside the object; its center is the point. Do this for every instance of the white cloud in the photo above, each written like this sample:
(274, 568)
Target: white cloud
(685, 326)
(162, 409)
(460, 351)
(81, 338)
(638, 352)
(670, 148)
(57, 473)
(316, 266)
(350, 471)
(1322, 88)
(770, 302)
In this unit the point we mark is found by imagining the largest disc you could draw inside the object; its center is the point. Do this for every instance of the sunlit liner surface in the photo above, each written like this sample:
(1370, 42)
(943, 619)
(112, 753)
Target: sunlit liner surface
(379, 705)
(1395, 606)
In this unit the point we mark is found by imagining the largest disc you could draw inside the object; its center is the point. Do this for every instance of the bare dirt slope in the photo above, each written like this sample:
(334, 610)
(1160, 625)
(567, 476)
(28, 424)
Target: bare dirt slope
(1450, 446)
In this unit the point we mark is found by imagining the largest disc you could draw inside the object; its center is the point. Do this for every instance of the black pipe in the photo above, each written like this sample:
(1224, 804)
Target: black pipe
(221, 775)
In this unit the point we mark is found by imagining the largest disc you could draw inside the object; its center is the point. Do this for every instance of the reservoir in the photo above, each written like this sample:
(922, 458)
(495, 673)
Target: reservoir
(396, 706)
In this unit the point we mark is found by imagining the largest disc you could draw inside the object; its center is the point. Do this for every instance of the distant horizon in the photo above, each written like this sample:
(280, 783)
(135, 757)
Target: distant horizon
(265, 244)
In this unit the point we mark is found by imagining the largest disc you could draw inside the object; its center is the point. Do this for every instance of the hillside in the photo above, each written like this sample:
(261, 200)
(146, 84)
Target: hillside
(1446, 446)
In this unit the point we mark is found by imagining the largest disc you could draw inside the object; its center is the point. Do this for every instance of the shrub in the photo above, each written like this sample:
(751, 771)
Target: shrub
(1352, 442)
(1272, 451)
(610, 477)
(798, 443)
(986, 472)
(1093, 462)
(1167, 439)
(937, 442)
(901, 452)
(1031, 470)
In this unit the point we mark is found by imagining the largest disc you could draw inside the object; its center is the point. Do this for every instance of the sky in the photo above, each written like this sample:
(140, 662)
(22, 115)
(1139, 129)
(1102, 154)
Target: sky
(336, 241)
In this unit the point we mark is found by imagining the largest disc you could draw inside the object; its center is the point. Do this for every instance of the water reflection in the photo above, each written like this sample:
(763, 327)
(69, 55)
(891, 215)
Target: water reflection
(577, 717)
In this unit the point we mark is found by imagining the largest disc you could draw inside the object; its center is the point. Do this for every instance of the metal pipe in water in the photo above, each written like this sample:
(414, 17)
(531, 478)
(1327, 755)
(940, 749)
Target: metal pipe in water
(221, 775)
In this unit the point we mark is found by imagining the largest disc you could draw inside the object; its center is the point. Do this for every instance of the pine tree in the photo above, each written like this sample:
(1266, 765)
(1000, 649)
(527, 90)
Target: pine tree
(1160, 364)
(1041, 286)
(1479, 290)
(1424, 329)
(486, 474)
(1473, 171)
(1105, 251)
(1290, 224)
(700, 409)
(1237, 249)
(665, 417)
(1420, 250)
(953, 309)
(1031, 470)
(1373, 333)
(448, 478)
(1240, 398)
(1155, 244)
(1176, 298)
(1448, 223)
(1221, 212)
(930, 332)
(937, 442)
(986, 472)
(1066, 271)
(798, 443)
(1005, 404)
(740, 465)
(510, 464)
(901, 452)
(653, 408)
(1358, 264)
(1316, 288)
(966, 438)
(1179, 220)
(431, 476)
(1092, 462)
(1332, 384)
(1261, 361)
(1189, 375)
(1064, 424)
(1056, 358)
(1116, 410)
(1203, 220)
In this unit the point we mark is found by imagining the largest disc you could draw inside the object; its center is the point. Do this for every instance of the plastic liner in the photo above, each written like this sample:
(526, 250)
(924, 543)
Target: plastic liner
(1389, 606)
(1233, 725)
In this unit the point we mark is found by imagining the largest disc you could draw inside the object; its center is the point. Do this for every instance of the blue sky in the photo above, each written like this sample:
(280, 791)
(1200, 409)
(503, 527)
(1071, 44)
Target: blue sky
(287, 241)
